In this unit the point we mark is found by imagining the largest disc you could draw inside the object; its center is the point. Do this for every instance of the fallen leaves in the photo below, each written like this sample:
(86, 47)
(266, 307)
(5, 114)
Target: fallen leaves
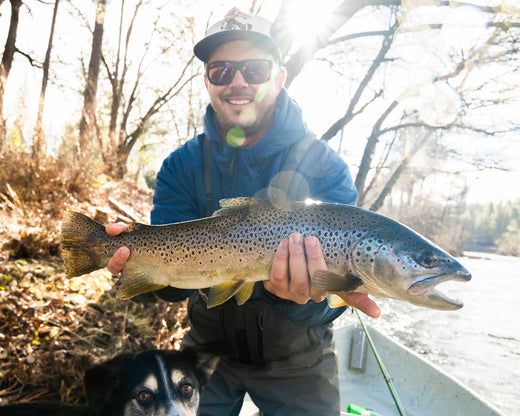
(53, 328)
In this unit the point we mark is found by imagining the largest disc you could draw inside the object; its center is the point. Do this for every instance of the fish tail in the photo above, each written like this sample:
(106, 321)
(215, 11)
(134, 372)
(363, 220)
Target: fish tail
(77, 249)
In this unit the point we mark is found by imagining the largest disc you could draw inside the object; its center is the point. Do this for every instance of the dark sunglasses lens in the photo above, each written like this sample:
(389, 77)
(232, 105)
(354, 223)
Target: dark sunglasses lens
(253, 71)
(256, 72)
(221, 73)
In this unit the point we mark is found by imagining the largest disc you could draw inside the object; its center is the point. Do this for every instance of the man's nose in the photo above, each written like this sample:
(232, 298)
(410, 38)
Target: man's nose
(238, 79)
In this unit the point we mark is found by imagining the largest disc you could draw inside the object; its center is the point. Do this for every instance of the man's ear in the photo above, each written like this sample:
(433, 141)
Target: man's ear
(281, 77)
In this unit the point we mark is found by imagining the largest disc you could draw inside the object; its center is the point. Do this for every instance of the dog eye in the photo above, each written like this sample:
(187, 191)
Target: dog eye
(144, 397)
(187, 390)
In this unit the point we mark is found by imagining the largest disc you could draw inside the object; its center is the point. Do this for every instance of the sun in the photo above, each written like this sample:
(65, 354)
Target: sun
(310, 19)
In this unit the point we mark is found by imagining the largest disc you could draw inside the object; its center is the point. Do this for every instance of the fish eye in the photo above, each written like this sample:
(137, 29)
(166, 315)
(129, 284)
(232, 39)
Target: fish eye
(144, 397)
(186, 390)
(428, 261)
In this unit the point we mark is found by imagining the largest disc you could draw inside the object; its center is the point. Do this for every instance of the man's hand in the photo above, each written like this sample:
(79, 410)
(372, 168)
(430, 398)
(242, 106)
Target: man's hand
(291, 271)
(116, 263)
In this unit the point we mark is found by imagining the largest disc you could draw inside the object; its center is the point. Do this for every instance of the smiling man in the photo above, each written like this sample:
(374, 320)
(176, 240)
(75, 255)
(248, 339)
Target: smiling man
(255, 142)
(243, 108)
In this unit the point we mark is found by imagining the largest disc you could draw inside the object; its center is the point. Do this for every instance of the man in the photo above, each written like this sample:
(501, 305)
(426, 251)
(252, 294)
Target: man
(255, 141)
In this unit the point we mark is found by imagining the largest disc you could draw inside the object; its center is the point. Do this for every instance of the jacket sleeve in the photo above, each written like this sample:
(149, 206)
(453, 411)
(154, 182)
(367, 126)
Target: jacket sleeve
(329, 180)
(310, 314)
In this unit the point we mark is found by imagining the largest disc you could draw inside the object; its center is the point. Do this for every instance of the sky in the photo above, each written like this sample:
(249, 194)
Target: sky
(319, 90)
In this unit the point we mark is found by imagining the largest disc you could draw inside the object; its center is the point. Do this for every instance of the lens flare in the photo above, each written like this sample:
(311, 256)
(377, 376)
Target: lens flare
(289, 181)
(262, 91)
(247, 117)
(464, 27)
(439, 104)
(236, 137)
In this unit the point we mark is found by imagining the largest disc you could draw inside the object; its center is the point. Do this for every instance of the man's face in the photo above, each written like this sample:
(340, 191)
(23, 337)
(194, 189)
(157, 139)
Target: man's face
(244, 109)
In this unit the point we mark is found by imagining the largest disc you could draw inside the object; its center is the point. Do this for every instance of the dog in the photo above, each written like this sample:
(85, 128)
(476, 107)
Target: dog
(151, 383)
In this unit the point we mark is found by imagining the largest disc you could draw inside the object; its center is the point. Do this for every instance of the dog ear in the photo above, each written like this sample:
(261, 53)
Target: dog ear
(101, 381)
(206, 363)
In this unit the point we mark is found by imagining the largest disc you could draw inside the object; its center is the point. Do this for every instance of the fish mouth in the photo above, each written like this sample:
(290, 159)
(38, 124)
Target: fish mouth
(425, 287)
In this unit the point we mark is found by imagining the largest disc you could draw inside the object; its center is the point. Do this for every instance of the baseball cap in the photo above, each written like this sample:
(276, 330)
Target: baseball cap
(236, 25)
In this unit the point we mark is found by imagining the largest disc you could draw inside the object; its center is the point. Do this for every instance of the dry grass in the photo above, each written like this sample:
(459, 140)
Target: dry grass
(53, 328)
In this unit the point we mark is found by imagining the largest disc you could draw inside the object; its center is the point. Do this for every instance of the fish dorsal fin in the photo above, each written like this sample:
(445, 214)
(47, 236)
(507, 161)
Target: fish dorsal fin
(228, 205)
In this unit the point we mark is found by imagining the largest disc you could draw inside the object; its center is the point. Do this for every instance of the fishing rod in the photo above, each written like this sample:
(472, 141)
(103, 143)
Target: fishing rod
(386, 376)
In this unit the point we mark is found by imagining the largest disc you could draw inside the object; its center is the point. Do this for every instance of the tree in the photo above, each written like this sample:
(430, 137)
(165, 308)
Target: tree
(129, 116)
(87, 125)
(39, 134)
(459, 74)
(7, 61)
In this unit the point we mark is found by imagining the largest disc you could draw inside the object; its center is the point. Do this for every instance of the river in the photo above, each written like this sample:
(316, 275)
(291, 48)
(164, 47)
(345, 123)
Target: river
(478, 344)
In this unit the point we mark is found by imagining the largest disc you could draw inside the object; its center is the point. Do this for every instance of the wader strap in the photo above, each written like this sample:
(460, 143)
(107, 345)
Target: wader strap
(208, 183)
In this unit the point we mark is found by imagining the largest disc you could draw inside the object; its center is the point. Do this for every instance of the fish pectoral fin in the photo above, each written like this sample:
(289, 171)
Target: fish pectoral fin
(134, 282)
(244, 292)
(333, 282)
(335, 301)
(223, 292)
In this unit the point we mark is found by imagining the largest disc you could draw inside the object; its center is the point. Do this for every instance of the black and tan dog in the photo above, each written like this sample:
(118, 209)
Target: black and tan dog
(152, 383)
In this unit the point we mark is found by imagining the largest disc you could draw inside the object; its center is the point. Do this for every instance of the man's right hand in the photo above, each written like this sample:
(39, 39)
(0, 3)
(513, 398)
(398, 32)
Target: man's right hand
(116, 263)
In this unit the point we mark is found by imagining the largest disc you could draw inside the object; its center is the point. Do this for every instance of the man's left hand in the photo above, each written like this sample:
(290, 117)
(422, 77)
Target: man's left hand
(291, 270)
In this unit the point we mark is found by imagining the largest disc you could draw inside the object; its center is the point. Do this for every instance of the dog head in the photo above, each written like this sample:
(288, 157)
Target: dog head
(152, 383)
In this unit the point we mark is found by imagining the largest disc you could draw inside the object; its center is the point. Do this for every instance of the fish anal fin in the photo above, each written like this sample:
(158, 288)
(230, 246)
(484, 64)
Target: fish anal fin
(332, 282)
(134, 282)
(335, 301)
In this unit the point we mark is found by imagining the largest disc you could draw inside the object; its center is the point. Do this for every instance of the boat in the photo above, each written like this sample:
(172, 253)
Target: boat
(394, 381)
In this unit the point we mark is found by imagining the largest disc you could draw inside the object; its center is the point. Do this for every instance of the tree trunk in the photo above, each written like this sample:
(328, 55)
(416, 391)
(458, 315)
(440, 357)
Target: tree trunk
(7, 61)
(39, 135)
(87, 125)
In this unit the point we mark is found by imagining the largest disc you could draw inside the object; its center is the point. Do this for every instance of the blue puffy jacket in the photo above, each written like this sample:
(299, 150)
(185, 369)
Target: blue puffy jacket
(180, 192)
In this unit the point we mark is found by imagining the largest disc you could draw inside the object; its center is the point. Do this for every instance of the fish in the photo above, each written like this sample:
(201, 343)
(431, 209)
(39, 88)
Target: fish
(228, 252)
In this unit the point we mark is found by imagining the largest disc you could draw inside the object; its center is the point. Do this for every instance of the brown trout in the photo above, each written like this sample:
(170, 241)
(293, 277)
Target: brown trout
(231, 250)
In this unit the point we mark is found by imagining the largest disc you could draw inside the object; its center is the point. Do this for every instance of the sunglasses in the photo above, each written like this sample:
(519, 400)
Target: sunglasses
(254, 71)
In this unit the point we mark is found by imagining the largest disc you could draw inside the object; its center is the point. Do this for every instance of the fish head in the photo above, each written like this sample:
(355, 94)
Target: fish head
(399, 263)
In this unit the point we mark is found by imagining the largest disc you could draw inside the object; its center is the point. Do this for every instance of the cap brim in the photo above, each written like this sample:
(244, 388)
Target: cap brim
(206, 46)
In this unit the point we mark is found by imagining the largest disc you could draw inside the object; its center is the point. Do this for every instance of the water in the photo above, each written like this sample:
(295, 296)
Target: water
(479, 344)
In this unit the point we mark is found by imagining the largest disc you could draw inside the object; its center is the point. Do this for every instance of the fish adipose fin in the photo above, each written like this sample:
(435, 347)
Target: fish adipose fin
(333, 282)
(223, 292)
(135, 282)
(76, 245)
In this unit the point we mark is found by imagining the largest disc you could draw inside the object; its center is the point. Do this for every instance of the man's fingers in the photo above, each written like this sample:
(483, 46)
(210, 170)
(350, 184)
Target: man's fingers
(299, 284)
(315, 261)
(115, 229)
(116, 263)
(278, 283)
(362, 302)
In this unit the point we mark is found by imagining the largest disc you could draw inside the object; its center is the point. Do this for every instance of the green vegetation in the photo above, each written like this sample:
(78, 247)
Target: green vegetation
(494, 227)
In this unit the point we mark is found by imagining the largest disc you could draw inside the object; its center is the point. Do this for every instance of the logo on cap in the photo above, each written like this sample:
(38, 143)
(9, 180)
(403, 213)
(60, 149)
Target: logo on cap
(236, 20)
